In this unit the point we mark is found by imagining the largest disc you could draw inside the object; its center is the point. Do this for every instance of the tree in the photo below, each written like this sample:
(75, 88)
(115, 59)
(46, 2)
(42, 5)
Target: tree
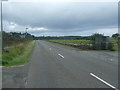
(96, 35)
(116, 35)
(14, 38)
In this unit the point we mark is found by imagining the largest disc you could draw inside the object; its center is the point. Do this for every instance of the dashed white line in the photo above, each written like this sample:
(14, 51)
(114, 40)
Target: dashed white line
(103, 81)
(111, 60)
(61, 55)
(26, 82)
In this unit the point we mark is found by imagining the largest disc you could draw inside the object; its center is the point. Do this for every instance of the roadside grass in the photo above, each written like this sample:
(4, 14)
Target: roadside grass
(17, 55)
(116, 44)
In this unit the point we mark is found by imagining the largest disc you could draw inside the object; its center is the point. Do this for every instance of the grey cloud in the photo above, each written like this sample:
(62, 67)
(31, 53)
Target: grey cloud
(62, 17)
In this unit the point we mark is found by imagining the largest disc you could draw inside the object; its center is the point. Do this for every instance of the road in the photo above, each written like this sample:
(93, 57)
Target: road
(57, 66)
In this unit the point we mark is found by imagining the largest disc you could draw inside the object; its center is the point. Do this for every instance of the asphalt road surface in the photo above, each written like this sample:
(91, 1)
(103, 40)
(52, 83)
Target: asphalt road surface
(53, 65)
(58, 66)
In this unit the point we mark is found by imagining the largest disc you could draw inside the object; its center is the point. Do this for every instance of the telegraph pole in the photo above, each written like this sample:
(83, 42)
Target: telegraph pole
(26, 32)
(26, 29)
(1, 31)
(2, 15)
(1, 18)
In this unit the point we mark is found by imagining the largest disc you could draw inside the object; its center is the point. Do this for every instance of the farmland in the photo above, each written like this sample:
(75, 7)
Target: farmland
(73, 41)
(86, 44)
(82, 44)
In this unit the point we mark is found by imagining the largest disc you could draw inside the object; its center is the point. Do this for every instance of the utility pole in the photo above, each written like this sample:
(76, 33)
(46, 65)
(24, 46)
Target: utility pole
(1, 18)
(1, 31)
(26, 31)
(2, 15)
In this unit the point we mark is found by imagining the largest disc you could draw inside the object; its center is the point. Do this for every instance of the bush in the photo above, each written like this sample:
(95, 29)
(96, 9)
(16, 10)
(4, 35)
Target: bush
(110, 46)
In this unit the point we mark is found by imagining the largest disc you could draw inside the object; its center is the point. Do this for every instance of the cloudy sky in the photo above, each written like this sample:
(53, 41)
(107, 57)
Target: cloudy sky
(61, 18)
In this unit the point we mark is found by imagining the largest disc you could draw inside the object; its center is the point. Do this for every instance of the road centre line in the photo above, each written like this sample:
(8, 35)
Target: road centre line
(61, 55)
(103, 81)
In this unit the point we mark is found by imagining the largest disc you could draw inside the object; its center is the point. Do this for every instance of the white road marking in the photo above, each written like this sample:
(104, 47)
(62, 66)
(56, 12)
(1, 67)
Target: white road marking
(26, 82)
(21, 65)
(18, 66)
(61, 55)
(12, 66)
(111, 60)
(49, 48)
(103, 81)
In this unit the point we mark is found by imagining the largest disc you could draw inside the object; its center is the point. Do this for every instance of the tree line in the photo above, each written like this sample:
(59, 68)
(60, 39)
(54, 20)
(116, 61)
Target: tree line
(91, 37)
(11, 38)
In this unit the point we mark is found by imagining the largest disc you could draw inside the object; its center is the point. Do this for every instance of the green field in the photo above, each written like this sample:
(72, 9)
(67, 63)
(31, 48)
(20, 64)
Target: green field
(115, 43)
(73, 41)
(81, 44)
(17, 54)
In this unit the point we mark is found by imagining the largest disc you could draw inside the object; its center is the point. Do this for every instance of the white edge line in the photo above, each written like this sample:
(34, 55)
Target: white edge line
(61, 55)
(16, 66)
(103, 81)
(12, 66)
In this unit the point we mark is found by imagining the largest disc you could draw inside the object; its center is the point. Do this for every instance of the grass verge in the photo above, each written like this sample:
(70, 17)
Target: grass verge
(115, 44)
(18, 55)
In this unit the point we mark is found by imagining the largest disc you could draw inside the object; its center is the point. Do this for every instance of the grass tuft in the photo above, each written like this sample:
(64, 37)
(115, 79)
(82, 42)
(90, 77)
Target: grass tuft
(18, 54)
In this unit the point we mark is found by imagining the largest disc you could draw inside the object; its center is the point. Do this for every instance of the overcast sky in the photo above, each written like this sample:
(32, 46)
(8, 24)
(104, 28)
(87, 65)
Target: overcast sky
(61, 18)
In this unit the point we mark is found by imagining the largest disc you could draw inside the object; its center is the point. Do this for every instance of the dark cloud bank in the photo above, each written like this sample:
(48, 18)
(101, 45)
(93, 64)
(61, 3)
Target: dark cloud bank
(63, 18)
